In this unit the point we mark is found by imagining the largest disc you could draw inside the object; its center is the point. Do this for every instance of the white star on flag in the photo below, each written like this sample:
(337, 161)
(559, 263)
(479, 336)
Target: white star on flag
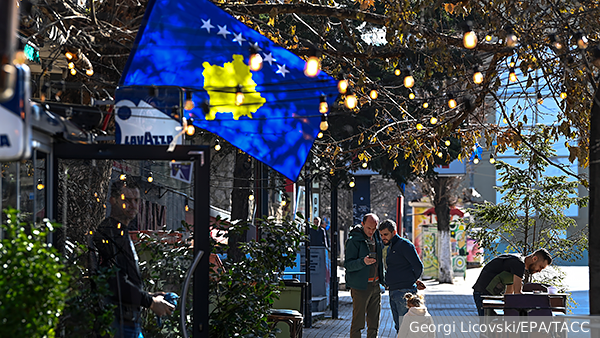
(206, 24)
(282, 70)
(223, 31)
(238, 38)
(269, 58)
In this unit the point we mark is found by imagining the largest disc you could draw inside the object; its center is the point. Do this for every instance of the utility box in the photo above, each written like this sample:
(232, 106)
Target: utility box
(320, 276)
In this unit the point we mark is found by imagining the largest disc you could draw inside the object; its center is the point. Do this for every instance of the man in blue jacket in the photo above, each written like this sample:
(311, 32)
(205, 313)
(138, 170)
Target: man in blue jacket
(364, 274)
(403, 269)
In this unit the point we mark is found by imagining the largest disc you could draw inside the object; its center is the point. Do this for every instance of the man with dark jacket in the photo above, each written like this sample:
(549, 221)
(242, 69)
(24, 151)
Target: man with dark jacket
(364, 274)
(403, 269)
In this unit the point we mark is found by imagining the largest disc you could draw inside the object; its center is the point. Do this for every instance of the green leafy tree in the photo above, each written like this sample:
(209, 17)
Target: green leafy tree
(33, 280)
(531, 214)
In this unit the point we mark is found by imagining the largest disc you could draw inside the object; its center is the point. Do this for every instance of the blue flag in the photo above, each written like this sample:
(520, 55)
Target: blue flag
(195, 45)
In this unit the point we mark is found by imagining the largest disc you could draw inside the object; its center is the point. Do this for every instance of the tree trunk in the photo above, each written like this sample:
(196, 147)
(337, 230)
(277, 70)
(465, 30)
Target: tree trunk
(239, 203)
(442, 211)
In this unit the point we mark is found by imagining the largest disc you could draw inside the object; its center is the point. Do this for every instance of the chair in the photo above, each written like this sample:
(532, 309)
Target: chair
(527, 305)
(293, 318)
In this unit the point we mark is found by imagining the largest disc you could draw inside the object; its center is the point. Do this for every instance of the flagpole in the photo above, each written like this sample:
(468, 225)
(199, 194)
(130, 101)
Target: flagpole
(307, 208)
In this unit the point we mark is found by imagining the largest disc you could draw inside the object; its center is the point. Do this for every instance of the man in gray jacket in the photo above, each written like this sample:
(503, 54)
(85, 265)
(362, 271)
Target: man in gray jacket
(403, 269)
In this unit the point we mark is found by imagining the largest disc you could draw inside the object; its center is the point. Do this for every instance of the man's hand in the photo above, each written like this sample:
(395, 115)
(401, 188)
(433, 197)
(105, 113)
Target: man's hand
(369, 261)
(420, 285)
(160, 306)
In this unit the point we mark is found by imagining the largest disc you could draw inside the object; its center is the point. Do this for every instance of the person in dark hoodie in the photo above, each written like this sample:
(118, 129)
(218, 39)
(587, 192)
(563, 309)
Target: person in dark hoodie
(364, 274)
(403, 268)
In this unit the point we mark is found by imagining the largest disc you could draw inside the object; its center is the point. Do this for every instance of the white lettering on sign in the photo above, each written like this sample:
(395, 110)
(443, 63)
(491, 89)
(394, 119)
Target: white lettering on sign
(148, 139)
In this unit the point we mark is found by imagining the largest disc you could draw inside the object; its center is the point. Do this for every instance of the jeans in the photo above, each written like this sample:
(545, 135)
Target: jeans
(398, 305)
(478, 302)
(130, 330)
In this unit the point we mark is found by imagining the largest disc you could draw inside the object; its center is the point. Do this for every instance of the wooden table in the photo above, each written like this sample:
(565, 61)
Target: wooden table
(557, 303)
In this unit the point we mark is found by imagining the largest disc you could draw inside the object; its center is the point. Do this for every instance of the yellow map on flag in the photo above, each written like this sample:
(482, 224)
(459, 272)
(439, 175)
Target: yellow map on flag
(220, 83)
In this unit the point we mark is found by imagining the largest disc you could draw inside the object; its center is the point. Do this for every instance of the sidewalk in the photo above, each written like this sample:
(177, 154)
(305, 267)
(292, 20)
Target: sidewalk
(441, 300)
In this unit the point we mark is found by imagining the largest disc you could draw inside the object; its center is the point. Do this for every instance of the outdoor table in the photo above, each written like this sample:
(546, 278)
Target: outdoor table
(556, 303)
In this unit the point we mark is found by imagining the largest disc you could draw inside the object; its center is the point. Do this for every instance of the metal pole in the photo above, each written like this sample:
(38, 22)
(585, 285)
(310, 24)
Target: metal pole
(201, 243)
(334, 248)
(594, 230)
(8, 29)
(308, 294)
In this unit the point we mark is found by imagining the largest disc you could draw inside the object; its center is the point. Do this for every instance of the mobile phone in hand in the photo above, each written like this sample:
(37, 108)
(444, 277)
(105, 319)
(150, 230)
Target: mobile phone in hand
(372, 255)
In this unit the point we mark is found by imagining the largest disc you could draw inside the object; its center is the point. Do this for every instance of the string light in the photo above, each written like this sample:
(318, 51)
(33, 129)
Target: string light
(447, 143)
(440, 154)
(511, 39)
(343, 85)
(255, 62)
(73, 71)
(89, 72)
(323, 106)
(313, 64)
(477, 75)
(451, 101)
(425, 105)
(419, 126)
(365, 164)
(189, 103)
(397, 72)
(409, 81)
(555, 42)
(217, 145)
(324, 125)
(492, 159)
(150, 178)
(469, 37)
(352, 184)
(373, 94)
(351, 101)
(488, 38)
(512, 63)
(582, 40)
(190, 130)
(433, 119)
(283, 203)
(251, 197)
(40, 185)
(540, 99)
(476, 159)
(512, 76)
(71, 65)
(411, 95)
(122, 177)
(320, 134)
(187, 205)
(239, 96)
(69, 56)
(563, 93)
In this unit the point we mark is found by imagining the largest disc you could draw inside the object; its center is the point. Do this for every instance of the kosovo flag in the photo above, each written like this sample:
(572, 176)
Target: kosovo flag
(195, 45)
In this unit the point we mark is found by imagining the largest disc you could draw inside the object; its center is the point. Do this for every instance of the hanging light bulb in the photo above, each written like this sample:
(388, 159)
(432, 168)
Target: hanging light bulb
(476, 159)
(563, 93)
(492, 159)
(73, 71)
(425, 105)
(477, 75)
(190, 130)
(283, 203)
(512, 76)
(409, 81)
(320, 134)
(40, 185)
(323, 107)
(433, 119)
(343, 85)
(313, 64)
(447, 143)
(352, 184)
(397, 72)
(451, 101)
(540, 99)
(89, 72)
(69, 56)
(251, 197)
(555, 42)
(324, 125)
(255, 62)
(187, 206)
(511, 39)
(373, 94)
(351, 101)
(440, 154)
(411, 95)
(365, 164)
(189, 103)
(469, 37)
(71, 65)
(581, 40)
(419, 126)
(217, 145)
(512, 63)
(488, 38)
(122, 177)
(239, 96)
(150, 178)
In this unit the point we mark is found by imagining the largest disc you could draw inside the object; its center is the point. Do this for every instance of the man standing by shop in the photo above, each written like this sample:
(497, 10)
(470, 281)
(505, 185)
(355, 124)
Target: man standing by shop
(364, 274)
(403, 269)
(115, 249)
(504, 275)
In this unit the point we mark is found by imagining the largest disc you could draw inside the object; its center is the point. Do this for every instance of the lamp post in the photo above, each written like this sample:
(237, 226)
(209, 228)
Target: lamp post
(333, 285)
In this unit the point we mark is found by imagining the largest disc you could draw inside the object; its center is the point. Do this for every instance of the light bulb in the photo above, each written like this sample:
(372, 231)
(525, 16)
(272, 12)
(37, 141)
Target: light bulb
(447, 143)
(505, 121)
(512, 76)
(217, 147)
(419, 126)
(190, 130)
(492, 159)
(409, 81)
(452, 103)
(73, 71)
(365, 164)
(323, 106)
(70, 65)
(470, 40)
(476, 160)
(433, 120)
(239, 96)
(411, 96)
(425, 105)
(312, 67)
(283, 203)
(320, 134)
(40, 185)
(563, 94)
(477, 76)
(256, 62)
(342, 86)
(488, 38)
(440, 154)
(540, 99)
(69, 56)
(122, 177)
(511, 40)
(189, 105)
(187, 207)
(373, 94)
(324, 125)
(251, 197)
(150, 178)
(397, 72)
(123, 196)
(352, 184)
(351, 101)
(582, 40)
(89, 72)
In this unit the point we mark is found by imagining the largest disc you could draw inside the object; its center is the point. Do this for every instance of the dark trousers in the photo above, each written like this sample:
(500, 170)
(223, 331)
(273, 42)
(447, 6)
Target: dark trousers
(365, 303)
(478, 302)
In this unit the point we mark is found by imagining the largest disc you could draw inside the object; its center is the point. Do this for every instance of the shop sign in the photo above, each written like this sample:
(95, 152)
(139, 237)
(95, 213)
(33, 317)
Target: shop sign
(15, 126)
